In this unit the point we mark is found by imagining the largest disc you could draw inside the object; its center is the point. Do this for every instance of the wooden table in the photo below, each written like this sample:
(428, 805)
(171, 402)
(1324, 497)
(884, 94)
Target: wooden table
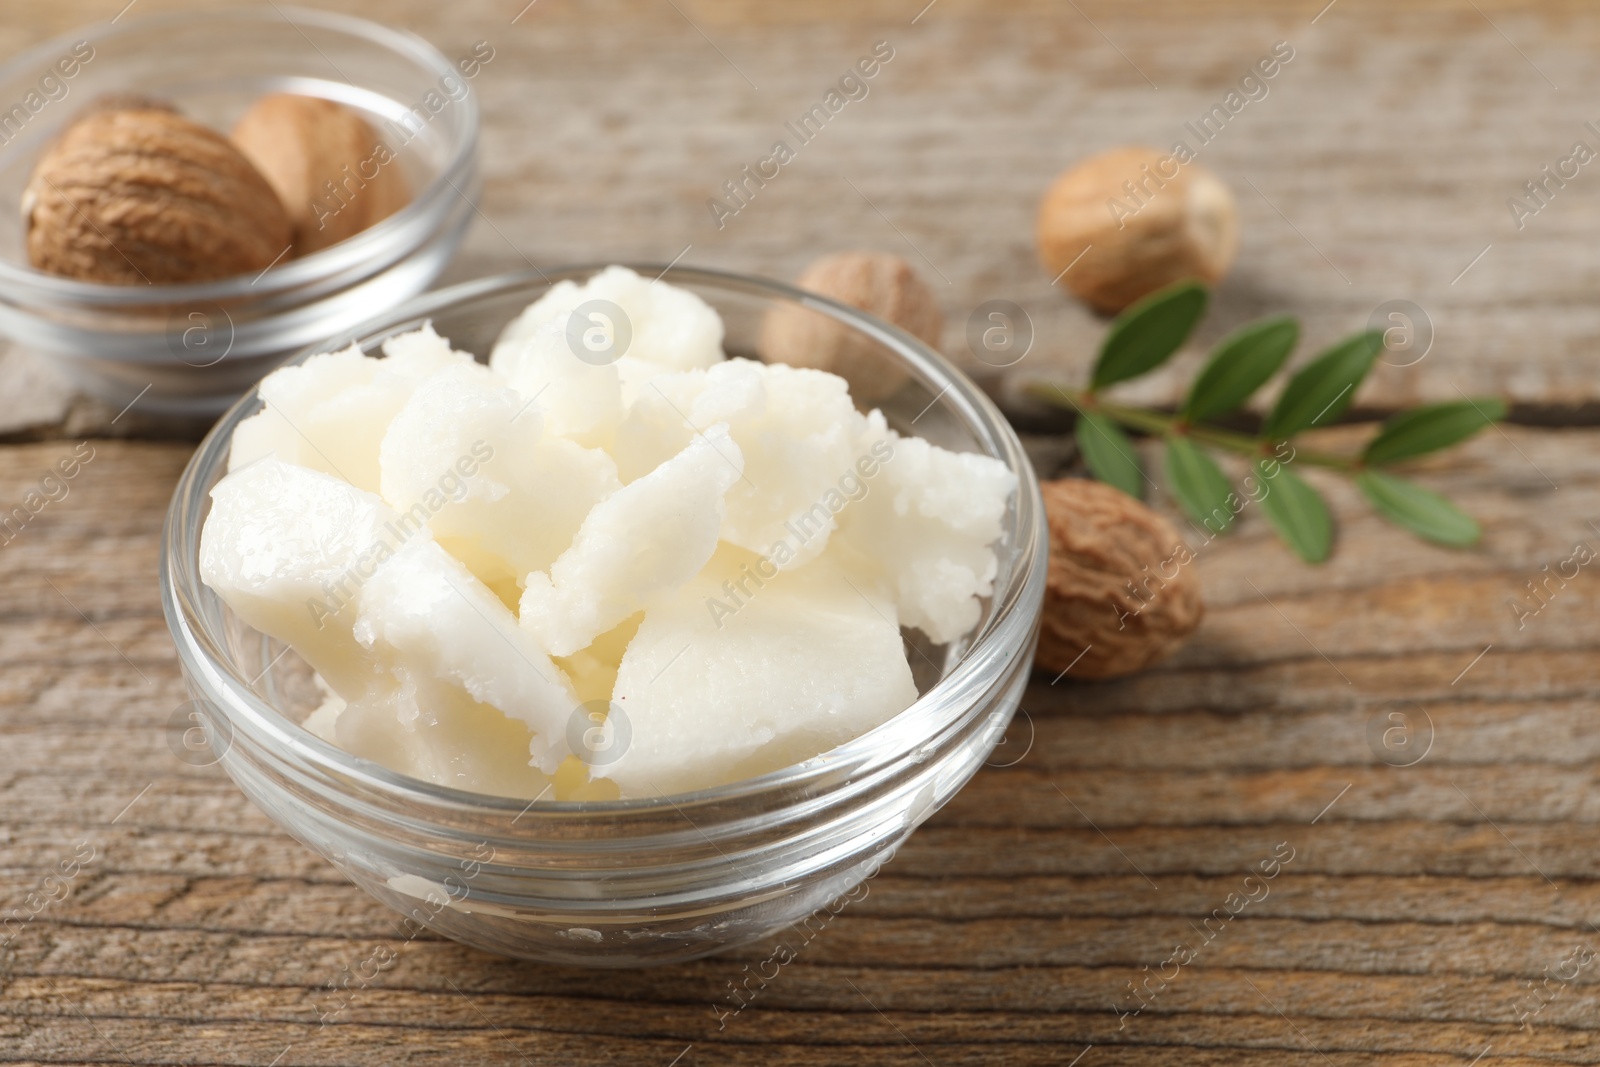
(1437, 872)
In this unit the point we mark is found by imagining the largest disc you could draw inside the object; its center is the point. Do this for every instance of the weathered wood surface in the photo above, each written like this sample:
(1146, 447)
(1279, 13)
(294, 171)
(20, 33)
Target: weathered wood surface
(1378, 166)
(1419, 902)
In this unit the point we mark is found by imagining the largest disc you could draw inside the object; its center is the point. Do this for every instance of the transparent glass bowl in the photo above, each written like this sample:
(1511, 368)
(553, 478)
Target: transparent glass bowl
(635, 881)
(193, 349)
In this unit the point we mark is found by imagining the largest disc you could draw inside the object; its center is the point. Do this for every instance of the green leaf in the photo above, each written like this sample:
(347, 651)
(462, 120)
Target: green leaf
(1199, 484)
(1321, 390)
(1240, 365)
(1147, 334)
(1296, 511)
(1108, 452)
(1426, 514)
(1431, 428)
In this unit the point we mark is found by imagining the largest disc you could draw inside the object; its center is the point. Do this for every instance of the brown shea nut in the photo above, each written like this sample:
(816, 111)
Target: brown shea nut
(875, 282)
(1119, 584)
(1147, 221)
(142, 195)
(330, 169)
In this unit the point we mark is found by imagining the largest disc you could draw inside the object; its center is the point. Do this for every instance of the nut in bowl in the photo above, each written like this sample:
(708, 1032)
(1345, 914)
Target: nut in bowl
(652, 874)
(163, 254)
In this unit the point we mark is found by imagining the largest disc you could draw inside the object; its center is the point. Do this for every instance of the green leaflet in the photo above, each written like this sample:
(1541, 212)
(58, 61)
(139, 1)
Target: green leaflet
(1296, 511)
(1426, 514)
(1150, 332)
(1428, 429)
(1199, 484)
(1321, 390)
(1108, 452)
(1239, 366)
(1147, 334)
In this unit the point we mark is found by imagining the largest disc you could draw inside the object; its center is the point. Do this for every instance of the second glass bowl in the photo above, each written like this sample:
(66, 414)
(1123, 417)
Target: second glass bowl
(625, 882)
(194, 349)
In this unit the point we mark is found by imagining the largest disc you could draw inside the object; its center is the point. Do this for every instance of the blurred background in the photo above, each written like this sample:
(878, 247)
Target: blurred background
(1376, 167)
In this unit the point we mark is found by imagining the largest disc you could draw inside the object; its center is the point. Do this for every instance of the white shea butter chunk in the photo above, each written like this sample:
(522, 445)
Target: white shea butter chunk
(581, 398)
(439, 734)
(472, 459)
(798, 432)
(634, 377)
(610, 532)
(736, 676)
(419, 354)
(617, 314)
(330, 412)
(324, 718)
(289, 549)
(928, 524)
(426, 616)
(646, 539)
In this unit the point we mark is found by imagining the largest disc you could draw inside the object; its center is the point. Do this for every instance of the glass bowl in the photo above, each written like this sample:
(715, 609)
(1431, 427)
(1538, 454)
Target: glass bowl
(192, 349)
(627, 882)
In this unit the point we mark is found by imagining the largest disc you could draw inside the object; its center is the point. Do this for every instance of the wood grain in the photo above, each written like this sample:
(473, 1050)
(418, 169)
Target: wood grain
(1419, 903)
(1378, 167)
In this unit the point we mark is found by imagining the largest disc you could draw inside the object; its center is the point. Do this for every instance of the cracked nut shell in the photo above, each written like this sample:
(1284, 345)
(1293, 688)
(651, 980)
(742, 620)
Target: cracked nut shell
(301, 144)
(1120, 593)
(142, 195)
(1167, 229)
(875, 282)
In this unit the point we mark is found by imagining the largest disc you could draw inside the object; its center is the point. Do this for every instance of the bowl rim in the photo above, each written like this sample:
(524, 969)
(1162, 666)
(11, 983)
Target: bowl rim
(19, 280)
(203, 664)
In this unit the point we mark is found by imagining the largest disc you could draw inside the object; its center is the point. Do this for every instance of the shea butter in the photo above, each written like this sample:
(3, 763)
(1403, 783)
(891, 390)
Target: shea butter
(608, 563)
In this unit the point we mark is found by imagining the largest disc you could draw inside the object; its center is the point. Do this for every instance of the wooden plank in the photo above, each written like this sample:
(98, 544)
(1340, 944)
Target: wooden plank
(1405, 930)
(609, 127)
(1422, 901)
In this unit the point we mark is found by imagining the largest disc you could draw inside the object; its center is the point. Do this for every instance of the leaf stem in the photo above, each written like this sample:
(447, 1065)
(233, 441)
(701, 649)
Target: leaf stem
(1158, 424)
